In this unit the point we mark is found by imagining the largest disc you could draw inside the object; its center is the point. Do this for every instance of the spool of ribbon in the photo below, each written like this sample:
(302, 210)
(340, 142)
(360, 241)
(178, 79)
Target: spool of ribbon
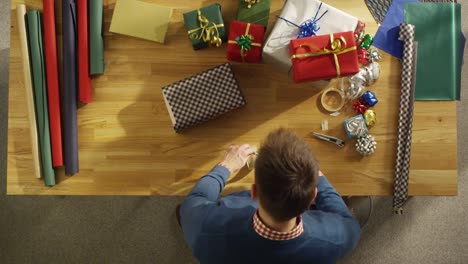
(250, 3)
(309, 27)
(365, 77)
(363, 56)
(374, 55)
(245, 42)
(370, 117)
(337, 46)
(209, 31)
(369, 98)
(359, 31)
(366, 42)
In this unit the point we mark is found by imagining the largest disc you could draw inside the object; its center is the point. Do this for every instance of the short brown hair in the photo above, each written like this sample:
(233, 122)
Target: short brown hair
(286, 174)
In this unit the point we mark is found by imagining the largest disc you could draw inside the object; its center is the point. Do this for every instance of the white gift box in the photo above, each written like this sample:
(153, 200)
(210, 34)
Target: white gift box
(276, 48)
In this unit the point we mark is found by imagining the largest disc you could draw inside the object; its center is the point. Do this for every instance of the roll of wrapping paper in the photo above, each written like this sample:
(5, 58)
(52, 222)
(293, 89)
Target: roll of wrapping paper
(438, 34)
(378, 9)
(53, 95)
(96, 41)
(84, 79)
(20, 14)
(405, 122)
(69, 91)
(33, 19)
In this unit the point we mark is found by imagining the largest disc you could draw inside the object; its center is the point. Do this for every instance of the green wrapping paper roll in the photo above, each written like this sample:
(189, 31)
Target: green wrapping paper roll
(192, 23)
(438, 27)
(257, 14)
(96, 40)
(33, 20)
(22, 33)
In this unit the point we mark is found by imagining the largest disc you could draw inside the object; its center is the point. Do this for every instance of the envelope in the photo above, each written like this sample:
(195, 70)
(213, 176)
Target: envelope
(140, 19)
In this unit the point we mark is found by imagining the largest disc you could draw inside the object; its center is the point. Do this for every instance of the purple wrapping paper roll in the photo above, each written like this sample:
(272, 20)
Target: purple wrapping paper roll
(405, 121)
(69, 93)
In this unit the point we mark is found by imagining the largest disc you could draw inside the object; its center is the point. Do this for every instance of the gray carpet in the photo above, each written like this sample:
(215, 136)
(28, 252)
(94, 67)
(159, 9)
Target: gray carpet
(142, 229)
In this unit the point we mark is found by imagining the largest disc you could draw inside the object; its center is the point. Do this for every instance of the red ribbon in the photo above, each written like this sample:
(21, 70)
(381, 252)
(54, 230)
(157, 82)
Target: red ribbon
(360, 106)
(363, 56)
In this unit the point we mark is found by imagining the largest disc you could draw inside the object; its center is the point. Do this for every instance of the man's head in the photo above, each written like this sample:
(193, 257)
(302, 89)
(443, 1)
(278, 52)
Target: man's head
(286, 175)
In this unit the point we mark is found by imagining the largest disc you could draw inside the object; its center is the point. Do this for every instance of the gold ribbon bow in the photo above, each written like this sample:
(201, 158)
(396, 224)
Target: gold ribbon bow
(250, 3)
(243, 52)
(338, 46)
(209, 31)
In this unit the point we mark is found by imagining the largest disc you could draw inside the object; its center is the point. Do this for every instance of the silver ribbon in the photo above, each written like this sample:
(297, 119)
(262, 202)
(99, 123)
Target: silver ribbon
(366, 76)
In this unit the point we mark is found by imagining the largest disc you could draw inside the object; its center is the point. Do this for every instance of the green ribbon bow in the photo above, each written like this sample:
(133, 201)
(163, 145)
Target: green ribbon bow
(244, 42)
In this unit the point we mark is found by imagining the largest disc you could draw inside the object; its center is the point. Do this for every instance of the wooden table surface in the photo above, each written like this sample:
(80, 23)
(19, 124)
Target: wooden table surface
(127, 144)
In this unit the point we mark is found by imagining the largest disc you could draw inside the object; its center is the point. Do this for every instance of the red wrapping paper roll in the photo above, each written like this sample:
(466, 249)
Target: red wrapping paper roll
(53, 94)
(84, 79)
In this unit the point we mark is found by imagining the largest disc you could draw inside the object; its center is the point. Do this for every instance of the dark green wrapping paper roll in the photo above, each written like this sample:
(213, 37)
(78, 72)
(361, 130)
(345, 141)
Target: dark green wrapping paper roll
(256, 14)
(33, 21)
(438, 27)
(192, 23)
(96, 40)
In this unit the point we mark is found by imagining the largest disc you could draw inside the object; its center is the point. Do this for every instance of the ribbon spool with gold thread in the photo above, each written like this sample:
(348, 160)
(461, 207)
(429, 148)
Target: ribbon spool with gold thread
(209, 31)
(332, 99)
(338, 46)
(245, 42)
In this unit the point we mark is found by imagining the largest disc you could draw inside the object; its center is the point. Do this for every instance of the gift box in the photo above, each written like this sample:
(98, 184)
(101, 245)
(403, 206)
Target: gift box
(275, 49)
(205, 27)
(324, 57)
(254, 11)
(202, 97)
(245, 42)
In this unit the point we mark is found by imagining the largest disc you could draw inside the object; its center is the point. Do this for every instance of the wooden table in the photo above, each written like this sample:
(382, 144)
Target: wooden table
(127, 144)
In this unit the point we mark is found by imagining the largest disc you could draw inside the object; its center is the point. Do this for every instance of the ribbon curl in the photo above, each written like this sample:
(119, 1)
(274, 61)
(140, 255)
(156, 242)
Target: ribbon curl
(309, 27)
(338, 46)
(250, 3)
(209, 31)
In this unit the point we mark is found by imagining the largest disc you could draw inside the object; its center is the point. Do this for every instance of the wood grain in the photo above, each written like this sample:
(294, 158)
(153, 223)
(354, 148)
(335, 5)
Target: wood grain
(127, 144)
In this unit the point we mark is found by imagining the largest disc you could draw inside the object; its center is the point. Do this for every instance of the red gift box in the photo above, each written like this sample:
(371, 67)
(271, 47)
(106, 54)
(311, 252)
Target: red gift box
(245, 42)
(324, 57)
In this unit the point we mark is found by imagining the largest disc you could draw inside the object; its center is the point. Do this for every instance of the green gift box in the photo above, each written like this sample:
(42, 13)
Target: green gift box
(205, 26)
(258, 12)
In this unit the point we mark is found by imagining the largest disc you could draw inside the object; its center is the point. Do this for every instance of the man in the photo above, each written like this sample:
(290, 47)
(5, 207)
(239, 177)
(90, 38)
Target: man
(272, 223)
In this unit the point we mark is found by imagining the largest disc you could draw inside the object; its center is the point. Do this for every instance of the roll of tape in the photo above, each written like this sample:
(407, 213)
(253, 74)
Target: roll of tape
(332, 103)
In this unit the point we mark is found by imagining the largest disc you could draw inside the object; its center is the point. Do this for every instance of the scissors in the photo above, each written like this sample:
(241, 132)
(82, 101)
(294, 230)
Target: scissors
(340, 143)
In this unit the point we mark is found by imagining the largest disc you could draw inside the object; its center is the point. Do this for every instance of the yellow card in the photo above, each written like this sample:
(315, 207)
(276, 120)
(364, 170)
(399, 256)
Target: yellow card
(140, 19)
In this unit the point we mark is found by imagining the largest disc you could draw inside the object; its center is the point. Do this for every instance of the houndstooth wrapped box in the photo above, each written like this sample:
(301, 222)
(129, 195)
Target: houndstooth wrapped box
(202, 97)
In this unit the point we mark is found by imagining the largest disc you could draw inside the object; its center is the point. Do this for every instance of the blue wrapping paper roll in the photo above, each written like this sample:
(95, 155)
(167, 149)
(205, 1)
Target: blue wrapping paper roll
(69, 93)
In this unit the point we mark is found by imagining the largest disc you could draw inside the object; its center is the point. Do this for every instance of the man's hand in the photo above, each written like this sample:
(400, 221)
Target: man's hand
(236, 156)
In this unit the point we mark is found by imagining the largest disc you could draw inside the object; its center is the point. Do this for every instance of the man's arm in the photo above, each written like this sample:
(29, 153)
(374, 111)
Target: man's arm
(328, 200)
(203, 198)
(346, 227)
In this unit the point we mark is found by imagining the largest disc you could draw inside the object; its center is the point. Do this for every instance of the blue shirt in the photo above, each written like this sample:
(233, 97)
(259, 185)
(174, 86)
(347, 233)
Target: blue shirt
(221, 230)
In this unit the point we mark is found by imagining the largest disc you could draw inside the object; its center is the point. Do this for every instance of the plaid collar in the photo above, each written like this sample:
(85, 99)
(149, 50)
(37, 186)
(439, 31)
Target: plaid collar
(271, 234)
